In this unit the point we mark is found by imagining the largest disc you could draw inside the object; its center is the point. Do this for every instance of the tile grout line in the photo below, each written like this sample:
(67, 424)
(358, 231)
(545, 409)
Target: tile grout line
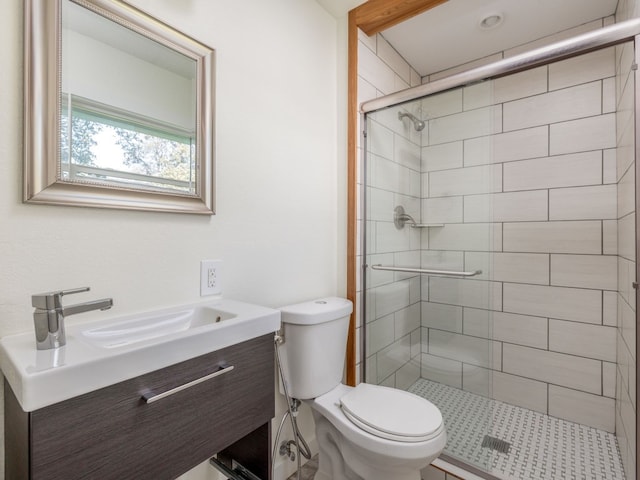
(459, 406)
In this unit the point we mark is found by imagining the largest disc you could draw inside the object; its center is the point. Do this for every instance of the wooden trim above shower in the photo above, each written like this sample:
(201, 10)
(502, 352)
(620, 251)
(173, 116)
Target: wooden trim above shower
(375, 16)
(371, 17)
(352, 188)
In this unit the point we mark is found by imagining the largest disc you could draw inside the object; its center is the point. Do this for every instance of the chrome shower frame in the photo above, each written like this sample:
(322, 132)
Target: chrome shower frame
(602, 38)
(578, 45)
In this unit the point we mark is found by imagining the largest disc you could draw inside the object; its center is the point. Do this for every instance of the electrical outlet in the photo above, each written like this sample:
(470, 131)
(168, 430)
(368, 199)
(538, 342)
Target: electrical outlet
(210, 277)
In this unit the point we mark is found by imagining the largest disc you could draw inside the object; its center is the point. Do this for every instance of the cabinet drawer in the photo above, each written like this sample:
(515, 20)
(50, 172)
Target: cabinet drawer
(113, 433)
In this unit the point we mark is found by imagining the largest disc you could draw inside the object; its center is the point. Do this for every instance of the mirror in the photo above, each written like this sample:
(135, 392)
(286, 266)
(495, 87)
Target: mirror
(118, 109)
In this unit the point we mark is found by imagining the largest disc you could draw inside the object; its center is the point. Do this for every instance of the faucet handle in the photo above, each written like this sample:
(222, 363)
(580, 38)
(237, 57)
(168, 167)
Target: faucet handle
(53, 300)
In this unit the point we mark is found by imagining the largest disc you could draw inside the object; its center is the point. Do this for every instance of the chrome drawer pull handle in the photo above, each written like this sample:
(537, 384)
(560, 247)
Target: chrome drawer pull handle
(151, 397)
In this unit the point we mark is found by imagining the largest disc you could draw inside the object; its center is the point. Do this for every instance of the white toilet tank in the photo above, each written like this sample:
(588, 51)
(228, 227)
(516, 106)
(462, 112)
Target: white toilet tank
(315, 341)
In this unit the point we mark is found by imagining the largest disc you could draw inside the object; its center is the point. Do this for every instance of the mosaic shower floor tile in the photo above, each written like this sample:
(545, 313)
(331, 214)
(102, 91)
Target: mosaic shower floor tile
(540, 447)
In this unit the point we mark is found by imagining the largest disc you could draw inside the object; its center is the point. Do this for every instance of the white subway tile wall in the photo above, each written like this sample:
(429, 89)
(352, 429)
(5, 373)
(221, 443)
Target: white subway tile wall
(394, 177)
(548, 195)
(554, 171)
(537, 190)
(624, 382)
(515, 169)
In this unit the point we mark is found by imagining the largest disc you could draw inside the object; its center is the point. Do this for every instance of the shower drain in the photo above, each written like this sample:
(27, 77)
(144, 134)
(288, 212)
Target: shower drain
(495, 444)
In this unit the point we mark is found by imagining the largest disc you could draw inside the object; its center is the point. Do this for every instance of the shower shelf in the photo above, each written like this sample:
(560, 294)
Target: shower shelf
(443, 273)
(400, 218)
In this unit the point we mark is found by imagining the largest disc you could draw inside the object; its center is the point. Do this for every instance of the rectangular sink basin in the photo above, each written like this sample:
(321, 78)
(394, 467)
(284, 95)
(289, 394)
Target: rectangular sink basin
(105, 352)
(152, 326)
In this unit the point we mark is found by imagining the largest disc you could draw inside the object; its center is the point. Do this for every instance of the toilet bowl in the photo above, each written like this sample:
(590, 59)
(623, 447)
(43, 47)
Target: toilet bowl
(381, 443)
(364, 432)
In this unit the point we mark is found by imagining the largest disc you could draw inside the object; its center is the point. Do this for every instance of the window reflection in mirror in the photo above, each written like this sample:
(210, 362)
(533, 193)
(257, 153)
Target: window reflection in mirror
(118, 125)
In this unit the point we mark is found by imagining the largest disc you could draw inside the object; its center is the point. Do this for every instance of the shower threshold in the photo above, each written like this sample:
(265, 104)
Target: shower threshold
(540, 446)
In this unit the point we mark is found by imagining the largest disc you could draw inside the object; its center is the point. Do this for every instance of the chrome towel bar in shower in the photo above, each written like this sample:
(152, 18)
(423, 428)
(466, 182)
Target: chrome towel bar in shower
(444, 273)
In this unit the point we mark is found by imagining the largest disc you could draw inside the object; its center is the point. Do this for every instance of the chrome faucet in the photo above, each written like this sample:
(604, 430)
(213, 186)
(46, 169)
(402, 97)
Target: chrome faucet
(49, 314)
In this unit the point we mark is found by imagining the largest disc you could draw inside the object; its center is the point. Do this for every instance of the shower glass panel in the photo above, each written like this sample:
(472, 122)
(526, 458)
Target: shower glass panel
(519, 192)
(429, 209)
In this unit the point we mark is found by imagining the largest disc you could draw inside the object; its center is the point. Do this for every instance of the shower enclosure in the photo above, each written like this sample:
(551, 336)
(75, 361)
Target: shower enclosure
(499, 253)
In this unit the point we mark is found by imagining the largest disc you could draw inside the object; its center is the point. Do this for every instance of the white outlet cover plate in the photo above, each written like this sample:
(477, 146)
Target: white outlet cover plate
(209, 269)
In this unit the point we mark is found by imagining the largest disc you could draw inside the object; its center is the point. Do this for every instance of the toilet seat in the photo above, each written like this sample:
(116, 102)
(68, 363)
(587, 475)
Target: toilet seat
(391, 414)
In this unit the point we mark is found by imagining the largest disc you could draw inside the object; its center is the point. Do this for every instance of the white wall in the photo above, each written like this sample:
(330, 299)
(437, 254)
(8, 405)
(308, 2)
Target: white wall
(97, 71)
(279, 223)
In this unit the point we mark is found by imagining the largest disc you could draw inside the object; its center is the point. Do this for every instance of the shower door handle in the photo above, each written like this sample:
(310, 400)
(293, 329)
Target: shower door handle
(442, 273)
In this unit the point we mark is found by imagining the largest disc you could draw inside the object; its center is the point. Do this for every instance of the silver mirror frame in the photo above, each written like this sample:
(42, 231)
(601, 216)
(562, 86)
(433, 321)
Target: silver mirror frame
(42, 82)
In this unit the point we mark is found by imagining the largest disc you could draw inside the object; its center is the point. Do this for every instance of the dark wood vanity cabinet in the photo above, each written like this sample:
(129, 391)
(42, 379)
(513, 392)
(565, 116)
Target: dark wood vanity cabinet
(112, 433)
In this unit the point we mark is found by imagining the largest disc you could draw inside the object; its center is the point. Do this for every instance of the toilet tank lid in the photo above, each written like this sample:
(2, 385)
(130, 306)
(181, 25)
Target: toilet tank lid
(316, 311)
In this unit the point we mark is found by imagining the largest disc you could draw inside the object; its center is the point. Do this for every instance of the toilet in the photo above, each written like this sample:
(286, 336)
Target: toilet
(367, 432)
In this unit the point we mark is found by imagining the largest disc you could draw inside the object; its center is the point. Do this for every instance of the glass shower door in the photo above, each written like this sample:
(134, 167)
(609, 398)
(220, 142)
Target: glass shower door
(428, 246)
(528, 179)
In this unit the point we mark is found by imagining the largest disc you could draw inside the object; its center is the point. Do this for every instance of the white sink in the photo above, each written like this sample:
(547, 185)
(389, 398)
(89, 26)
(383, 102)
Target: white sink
(105, 352)
(153, 325)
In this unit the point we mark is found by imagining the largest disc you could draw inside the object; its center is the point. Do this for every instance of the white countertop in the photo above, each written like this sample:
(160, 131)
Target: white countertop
(43, 377)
